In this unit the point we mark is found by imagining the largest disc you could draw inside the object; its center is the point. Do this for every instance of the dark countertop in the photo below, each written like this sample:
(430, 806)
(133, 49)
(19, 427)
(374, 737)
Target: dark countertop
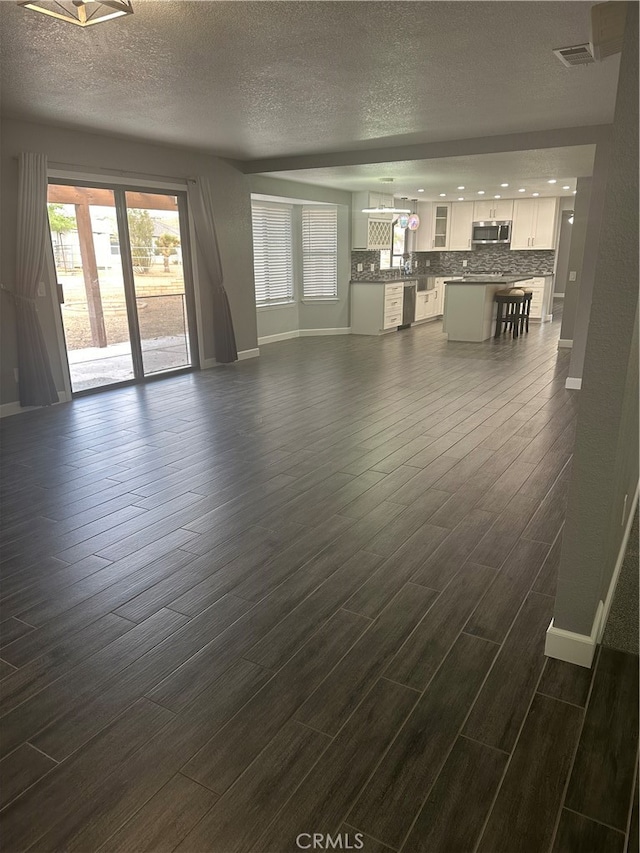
(477, 279)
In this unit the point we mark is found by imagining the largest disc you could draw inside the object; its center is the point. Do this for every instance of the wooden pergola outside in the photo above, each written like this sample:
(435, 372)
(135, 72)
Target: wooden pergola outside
(82, 198)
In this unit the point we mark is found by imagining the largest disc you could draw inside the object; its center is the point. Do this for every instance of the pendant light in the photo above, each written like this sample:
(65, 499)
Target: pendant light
(82, 13)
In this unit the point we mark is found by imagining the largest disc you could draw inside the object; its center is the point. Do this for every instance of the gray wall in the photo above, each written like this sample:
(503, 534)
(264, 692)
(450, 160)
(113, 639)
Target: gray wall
(576, 255)
(562, 259)
(103, 154)
(308, 315)
(605, 463)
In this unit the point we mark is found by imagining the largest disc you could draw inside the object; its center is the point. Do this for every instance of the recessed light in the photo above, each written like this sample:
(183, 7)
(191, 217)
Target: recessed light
(443, 195)
(575, 191)
(497, 196)
(552, 181)
(420, 191)
(461, 198)
(522, 190)
(566, 188)
(504, 185)
(480, 192)
(535, 193)
(460, 188)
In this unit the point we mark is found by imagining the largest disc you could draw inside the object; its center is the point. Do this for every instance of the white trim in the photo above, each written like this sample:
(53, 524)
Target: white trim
(14, 408)
(573, 383)
(244, 354)
(208, 363)
(618, 565)
(565, 343)
(571, 647)
(283, 336)
(303, 333)
(309, 333)
(547, 318)
(557, 295)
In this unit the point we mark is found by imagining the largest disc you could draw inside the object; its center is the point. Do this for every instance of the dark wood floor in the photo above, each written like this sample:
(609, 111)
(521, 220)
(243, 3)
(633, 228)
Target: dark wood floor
(306, 594)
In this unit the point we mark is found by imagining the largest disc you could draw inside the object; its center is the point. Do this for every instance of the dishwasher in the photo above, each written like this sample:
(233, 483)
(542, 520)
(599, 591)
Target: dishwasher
(408, 304)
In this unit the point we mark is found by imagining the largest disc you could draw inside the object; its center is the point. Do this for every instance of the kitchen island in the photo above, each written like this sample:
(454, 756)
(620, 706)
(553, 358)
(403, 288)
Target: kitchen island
(469, 309)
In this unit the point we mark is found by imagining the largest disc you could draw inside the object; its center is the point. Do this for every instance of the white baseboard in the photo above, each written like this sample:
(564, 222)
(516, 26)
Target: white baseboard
(618, 566)
(206, 363)
(558, 295)
(571, 647)
(573, 383)
(565, 343)
(283, 336)
(302, 333)
(248, 353)
(547, 318)
(309, 333)
(14, 408)
(580, 648)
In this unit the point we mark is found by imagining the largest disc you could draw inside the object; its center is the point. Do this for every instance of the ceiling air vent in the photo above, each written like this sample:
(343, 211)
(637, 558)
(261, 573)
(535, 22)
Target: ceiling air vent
(578, 54)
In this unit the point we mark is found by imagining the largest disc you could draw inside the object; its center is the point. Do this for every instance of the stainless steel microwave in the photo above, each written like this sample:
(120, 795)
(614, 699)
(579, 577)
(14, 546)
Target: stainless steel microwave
(490, 231)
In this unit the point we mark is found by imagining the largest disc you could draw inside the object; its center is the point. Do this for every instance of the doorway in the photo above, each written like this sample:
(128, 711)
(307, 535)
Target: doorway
(124, 284)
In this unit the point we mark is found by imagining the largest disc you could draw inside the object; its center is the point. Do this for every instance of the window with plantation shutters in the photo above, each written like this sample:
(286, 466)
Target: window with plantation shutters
(319, 252)
(272, 253)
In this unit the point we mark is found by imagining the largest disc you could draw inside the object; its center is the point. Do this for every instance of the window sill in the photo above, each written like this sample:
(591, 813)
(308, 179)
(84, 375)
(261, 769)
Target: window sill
(331, 300)
(273, 305)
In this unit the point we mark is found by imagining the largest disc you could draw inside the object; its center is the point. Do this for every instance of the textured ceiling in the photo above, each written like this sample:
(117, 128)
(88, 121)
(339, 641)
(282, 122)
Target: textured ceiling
(255, 80)
(530, 170)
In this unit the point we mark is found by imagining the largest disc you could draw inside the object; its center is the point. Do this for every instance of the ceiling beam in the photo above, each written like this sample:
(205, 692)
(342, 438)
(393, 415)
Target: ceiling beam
(558, 138)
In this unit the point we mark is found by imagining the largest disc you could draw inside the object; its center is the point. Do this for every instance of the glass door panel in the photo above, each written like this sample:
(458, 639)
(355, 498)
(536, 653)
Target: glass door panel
(158, 276)
(86, 247)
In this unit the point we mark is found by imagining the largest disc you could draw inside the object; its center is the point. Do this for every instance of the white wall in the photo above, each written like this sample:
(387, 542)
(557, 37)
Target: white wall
(98, 153)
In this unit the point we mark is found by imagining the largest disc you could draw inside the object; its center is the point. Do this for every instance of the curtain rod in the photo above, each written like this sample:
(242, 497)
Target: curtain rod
(114, 173)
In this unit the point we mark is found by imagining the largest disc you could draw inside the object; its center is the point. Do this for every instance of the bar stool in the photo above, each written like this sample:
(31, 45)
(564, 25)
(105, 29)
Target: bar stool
(510, 309)
(526, 310)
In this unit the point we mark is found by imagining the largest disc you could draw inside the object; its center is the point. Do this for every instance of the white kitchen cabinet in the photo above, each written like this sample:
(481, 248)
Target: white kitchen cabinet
(371, 231)
(462, 213)
(422, 301)
(534, 223)
(376, 307)
(541, 287)
(498, 208)
(424, 234)
(428, 304)
(441, 225)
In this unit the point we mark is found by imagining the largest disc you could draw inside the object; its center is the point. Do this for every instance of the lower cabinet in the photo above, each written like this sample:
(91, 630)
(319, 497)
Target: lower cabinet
(376, 307)
(429, 303)
(541, 287)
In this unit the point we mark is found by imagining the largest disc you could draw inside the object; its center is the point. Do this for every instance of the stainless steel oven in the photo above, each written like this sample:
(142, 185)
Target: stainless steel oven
(490, 231)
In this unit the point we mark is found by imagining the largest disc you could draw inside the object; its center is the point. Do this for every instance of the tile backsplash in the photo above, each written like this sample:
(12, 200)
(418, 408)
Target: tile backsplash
(483, 259)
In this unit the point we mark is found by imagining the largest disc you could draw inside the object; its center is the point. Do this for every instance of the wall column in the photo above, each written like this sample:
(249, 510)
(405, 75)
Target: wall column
(605, 463)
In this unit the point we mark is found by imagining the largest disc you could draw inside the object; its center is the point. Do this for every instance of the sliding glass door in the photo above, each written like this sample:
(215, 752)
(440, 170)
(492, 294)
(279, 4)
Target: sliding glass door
(119, 265)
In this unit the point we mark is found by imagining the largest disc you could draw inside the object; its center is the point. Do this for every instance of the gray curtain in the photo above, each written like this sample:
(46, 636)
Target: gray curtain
(35, 380)
(201, 204)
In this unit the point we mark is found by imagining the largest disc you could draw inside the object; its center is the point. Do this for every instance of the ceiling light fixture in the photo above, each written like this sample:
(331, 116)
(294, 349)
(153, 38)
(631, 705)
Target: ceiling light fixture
(82, 13)
(443, 195)
(566, 188)
(535, 193)
(552, 181)
(570, 219)
(460, 188)
(420, 191)
(382, 209)
(461, 198)
(497, 196)
(480, 192)
(504, 185)
(575, 191)
(522, 190)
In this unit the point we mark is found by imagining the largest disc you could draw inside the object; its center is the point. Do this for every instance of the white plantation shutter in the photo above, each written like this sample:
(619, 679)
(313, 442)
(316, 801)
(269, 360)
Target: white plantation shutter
(272, 253)
(319, 252)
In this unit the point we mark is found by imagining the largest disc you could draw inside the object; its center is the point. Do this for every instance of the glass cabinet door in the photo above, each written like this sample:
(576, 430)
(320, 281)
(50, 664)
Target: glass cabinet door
(441, 226)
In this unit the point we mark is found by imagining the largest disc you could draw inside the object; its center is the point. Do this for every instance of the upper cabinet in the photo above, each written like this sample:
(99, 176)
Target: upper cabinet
(499, 209)
(441, 218)
(534, 223)
(371, 230)
(462, 213)
(435, 223)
